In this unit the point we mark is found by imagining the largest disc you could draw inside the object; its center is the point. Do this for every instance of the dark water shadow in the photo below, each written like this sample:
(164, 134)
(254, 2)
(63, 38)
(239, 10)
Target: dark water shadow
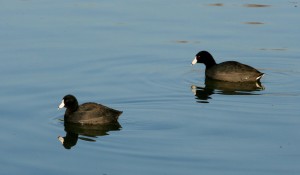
(216, 4)
(85, 132)
(203, 94)
(245, 5)
(254, 23)
(257, 5)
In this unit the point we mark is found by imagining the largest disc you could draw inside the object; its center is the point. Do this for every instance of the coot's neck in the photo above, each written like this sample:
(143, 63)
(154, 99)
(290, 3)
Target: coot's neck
(210, 62)
(69, 111)
(72, 108)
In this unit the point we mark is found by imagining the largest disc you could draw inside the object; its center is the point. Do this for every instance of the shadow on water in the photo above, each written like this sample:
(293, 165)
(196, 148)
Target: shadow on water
(256, 5)
(245, 5)
(203, 94)
(85, 132)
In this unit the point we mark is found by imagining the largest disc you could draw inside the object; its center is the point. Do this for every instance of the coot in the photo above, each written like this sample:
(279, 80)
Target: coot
(231, 71)
(87, 113)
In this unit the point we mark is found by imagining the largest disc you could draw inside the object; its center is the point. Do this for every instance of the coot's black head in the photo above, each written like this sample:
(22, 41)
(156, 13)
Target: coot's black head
(205, 58)
(70, 102)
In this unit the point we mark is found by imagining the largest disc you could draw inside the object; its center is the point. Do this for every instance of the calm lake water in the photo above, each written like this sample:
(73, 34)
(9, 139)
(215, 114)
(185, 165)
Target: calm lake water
(135, 56)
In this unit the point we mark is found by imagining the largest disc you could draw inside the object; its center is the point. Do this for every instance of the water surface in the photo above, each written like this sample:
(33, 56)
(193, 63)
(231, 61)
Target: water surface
(135, 56)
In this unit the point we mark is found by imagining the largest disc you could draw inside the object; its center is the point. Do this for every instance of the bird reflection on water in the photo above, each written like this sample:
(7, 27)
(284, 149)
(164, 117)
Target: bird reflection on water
(85, 132)
(203, 94)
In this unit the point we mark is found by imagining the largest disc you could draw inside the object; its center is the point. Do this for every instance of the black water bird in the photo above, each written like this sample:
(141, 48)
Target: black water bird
(231, 71)
(88, 113)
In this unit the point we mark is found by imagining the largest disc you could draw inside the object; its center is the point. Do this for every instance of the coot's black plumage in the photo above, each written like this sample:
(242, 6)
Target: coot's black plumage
(88, 113)
(231, 71)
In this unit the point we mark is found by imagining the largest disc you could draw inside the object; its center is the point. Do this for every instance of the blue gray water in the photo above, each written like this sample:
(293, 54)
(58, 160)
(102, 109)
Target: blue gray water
(135, 56)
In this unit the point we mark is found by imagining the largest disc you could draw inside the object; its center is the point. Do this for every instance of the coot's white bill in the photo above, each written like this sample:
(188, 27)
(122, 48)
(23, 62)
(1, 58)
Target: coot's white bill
(194, 61)
(61, 105)
(61, 139)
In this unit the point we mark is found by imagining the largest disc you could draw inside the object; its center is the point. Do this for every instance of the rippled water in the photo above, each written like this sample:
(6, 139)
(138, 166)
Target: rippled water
(135, 56)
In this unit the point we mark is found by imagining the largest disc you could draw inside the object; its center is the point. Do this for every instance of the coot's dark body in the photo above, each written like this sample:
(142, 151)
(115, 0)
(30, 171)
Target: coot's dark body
(231, 71)
(88, 113)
